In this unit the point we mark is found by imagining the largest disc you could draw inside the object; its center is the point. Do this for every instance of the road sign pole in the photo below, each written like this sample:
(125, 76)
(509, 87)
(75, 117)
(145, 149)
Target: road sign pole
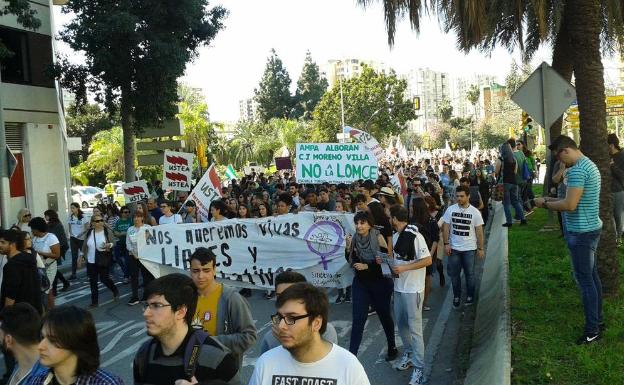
(549, 164)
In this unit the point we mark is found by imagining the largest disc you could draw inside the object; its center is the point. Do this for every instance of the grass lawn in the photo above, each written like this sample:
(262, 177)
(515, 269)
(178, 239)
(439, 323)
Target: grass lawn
(547, 315)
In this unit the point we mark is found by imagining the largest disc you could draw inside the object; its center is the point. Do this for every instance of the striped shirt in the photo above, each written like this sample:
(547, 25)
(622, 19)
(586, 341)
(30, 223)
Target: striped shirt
(584, 175)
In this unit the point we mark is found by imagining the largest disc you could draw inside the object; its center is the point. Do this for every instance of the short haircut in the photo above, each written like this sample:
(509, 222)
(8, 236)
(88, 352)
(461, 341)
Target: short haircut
(562, 142)
(13, 236)
(512, 142)
(289, 276)
(463, 179)
(314, 299)
(364, 216)
(219, 205)
(204, 256)
(286, 198)
(294, 184)
(39, 224)
(399, 213)
(72, 328)
(23, 322)
(323, 189)
(614, 140)
(168, 203)
(464, 189)
(368, 185)
(178, 289)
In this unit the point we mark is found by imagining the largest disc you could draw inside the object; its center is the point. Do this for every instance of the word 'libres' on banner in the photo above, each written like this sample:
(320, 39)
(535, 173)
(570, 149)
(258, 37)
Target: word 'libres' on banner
(254, 251)
(335, 163)
(177, 170)
(207, 190)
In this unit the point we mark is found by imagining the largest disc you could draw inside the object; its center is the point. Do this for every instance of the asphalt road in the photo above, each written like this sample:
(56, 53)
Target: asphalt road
(121, 330)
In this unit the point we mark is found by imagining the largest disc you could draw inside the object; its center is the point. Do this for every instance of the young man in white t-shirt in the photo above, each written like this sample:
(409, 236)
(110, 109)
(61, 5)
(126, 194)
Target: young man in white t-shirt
(304, 357)
(411, 257)
(463, 238)
(168, 216)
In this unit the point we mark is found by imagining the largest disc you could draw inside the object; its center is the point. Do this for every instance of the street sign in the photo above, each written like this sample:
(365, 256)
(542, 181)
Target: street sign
(545, 95)
(11, 161)
(615, 100)
(615, 111)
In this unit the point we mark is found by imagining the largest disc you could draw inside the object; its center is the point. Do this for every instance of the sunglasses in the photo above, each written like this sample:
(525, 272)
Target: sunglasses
(98, 221)
(27, 215)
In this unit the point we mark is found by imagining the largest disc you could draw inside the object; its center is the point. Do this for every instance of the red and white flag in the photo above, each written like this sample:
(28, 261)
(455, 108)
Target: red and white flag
(208, 189)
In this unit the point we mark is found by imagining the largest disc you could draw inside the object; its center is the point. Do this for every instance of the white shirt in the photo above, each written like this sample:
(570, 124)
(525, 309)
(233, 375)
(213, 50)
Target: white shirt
(165, 220)
(338, 367)
(77, 226)
(412, 281)
(93, 242)
(44, 245)
(462, 223)
(131, 239)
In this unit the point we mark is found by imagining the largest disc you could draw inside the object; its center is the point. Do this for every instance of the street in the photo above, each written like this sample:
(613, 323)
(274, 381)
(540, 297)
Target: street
(121, 330)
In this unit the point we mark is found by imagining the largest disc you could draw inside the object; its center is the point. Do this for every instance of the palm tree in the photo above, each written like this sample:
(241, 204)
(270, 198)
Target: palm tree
(571, 26)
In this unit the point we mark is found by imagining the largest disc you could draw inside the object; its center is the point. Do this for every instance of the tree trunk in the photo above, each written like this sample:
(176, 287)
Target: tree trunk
(562, 63)
(128, 137)
(584, 26)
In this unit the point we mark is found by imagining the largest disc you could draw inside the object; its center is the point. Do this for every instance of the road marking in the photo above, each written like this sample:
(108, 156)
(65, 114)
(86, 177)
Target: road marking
(126, 352)
(123, 325)
(111, 344)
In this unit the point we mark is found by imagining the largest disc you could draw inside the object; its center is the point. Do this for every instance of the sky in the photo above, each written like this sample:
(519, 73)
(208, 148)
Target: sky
(231, 67)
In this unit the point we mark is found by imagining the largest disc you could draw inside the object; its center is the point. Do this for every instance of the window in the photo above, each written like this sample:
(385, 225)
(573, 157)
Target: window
(15, 68)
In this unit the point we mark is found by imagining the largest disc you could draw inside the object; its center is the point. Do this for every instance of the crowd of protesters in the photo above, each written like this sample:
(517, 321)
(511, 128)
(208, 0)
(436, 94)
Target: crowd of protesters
(417, 210)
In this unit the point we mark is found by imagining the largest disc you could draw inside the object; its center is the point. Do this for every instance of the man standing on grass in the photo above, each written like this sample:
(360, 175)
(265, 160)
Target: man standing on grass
(583, 227)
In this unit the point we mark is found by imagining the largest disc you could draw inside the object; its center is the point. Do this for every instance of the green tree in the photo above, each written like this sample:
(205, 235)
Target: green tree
(310, 88)
(85, 122)
(135, 51)
(445, 110)
(374, 102)
(473, 95)
(194, 115)
(273, 93)
(105, 156)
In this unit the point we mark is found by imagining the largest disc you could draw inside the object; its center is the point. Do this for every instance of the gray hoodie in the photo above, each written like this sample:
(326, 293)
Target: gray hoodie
(235, 326)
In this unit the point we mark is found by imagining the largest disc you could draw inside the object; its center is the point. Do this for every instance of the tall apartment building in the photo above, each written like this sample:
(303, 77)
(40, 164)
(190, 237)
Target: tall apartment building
(31, 109)
(348, 68)
(432, 87)
(247, 110)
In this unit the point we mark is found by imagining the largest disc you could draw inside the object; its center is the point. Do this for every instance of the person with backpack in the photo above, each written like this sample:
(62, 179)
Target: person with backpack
(177, 353)
(96, 249)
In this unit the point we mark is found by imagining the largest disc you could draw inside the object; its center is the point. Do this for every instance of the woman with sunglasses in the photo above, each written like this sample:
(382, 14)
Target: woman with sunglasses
(69, 348)
(100, 239)
(23, 217)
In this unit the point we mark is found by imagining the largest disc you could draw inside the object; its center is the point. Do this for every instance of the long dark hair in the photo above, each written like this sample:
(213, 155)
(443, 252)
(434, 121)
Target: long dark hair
(73, 329)
(420, 212)
(80, 213)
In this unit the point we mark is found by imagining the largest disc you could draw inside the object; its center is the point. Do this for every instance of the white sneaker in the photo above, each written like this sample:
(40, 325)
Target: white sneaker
(418, 377)
(406, 362)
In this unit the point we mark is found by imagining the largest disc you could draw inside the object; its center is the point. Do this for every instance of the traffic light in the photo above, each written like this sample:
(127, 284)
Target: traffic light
(527, 122)
(416, 103)
(201, 156)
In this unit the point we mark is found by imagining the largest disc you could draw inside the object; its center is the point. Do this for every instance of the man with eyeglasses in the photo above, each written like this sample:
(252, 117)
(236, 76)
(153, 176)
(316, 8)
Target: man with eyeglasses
(283, 281)
(304, 357)
(177, 354)
(168, 216)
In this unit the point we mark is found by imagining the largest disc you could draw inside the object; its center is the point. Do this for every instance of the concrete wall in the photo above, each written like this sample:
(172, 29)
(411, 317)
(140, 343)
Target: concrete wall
(45, 167)
(28, 104)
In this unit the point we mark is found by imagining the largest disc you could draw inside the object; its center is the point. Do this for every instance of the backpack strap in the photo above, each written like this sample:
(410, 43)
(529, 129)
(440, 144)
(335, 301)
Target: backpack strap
(142, 357)
(192, 351)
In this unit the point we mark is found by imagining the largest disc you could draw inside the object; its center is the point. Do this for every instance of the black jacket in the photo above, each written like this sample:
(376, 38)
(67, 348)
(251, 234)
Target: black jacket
(21, 281)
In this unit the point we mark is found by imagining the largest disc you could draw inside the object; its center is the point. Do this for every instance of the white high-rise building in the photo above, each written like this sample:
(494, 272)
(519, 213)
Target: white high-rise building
(248, 109)
(348, 68)
(432, 88)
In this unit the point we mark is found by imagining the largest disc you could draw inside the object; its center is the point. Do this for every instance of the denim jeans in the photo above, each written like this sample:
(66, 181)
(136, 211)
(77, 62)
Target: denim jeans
(378, 293)
(408, 315)
(618, 213)
(511, 198)
(457, 261)
(583, 252)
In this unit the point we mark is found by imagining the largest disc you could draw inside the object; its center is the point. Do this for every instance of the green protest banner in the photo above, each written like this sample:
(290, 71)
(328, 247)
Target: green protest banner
(334, 163)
